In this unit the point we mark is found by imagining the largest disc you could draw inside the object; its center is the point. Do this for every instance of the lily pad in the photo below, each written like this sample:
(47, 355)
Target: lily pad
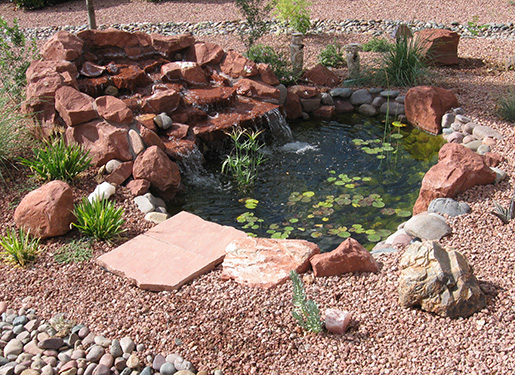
(374, 237)
(403, 213)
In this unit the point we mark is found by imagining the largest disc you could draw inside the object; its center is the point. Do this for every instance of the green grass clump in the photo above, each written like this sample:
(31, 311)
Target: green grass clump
(279, 64)
(331, 56)
(506, 106)
(74, 251)
(305, 311)
(377, 45)
(18, 247)
(99, 219)
(58, 161)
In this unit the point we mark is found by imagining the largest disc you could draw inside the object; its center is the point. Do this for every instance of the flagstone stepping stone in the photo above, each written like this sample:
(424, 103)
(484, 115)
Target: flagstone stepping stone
(172, 253)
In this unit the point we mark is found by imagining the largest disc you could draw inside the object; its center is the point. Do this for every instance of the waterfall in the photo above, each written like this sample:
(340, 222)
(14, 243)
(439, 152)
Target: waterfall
(193, 171)
(278, 126)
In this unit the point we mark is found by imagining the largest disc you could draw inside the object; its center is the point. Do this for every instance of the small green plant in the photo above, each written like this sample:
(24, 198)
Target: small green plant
(255, 13)
(403, 65)
(474, 27)
(19, 248)
(377, 45)
(74, 251)
(505, 214)
(279, 64)
(331, 56)
(295, 12)
(305, 311)
(16, 53)
(58, 161)
(243, 162)
(99, 219)
(506, 106)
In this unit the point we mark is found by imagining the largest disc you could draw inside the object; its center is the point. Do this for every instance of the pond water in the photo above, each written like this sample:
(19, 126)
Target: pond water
(333, 180)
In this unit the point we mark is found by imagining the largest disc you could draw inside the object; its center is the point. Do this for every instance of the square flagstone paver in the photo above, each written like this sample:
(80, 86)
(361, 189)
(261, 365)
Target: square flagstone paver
(172, 253)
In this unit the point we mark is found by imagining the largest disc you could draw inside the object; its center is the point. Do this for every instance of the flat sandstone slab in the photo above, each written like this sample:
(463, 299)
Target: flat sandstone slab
(172, 253)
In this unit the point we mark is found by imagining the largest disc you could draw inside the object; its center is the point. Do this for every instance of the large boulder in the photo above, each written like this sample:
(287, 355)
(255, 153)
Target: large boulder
(427, 226)
(205, 53)
(350, 256)
(438, 280)
(236, 65)
(259, 90)
(153, 165)
(292, 106)
(161, 101)
(440, 46)
(321, 76)
(264, 262)
(114, 109)
(425, 107)
(46, 211)
(62, 46)
(458, 169)
(73, 106)
(169, 45)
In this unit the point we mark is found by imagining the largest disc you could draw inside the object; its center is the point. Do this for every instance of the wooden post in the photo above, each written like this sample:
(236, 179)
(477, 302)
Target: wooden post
(91, 14)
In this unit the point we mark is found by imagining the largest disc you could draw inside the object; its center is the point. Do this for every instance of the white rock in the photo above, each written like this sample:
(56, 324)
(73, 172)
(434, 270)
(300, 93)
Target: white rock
(499, 174)
(447, 120)
(127, 345)
(337, 321)
(144, 204)
(485, 131)
(163, 121)
(157, 202)
(102, 191)
(156, 217)
(112, 164)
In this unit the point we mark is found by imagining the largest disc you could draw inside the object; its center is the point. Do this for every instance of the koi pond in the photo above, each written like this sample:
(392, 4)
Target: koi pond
(333, 180)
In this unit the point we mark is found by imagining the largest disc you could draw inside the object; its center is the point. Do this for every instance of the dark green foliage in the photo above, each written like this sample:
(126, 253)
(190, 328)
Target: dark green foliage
(295, 12)
(36, 4)
(506, 106)
(255, 13)
(331, 56)
(305, 310)
(505, 214)
(279, 64)
(19, 248)
(377, 45)
(99, 219)
(58, 161)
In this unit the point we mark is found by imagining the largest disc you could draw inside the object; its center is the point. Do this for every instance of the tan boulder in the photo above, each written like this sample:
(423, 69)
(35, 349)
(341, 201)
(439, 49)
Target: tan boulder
(113, 109)
(62, 46)
(425, 106)
(321, 76)
(204, 53)
(74, 106)
(153, 165)
(168, 46)
(265, 262)
(259, 90)
(439, 46)
(46, 211)
(104, 141)
(350, 256)
(458, 169)
(236, 65)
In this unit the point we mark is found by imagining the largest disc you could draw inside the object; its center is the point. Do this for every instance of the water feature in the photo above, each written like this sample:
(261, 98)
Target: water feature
(333, 180)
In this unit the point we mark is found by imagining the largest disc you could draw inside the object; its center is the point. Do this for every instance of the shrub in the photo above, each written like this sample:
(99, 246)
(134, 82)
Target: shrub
(16, 53)
(295, 12)
(58, 161)
(403, 65)
(255, 12)
(99, 219)
(279, 64)
(19, 248)
(74, 251)
(331, 56)
(506, 106)
(377, 45)
(36, 4)
(305, 311)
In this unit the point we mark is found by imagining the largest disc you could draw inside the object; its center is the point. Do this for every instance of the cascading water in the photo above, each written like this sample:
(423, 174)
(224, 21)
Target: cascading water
(193, 171)
(279, 128)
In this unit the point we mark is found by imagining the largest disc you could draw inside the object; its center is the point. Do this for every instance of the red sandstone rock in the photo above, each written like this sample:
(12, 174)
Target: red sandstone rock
(178, 131)
(265, 262)
(321, 76)
(139, 186)
(425, 107)
(121, 173)
(153, 165)
(46, 211)
(267, 74)
(292, 106)
(91, 70)
(62, 46)
(205, 53)
(161, 101)
(149, 137)
(493, 159)
(104, 141)
(168, 46)
(114, 38)
(113, 109)
(188, 115)
(171, 72)
(217, 96)
(254, 89)
(350, 256)
(130, 77)
(337, 321)
(147, 120)
(236, 65)
(325, 111)
(73, 106)
(39, 69)
(304, 92)
(440, 46)
(458, 169)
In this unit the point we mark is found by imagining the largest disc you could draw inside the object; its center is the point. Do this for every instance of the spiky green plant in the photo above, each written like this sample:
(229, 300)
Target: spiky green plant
(305, 311)
(505, 214)
(99, 219)
(506, 106)
(58, 161)
(377, 45)
(19, 248)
